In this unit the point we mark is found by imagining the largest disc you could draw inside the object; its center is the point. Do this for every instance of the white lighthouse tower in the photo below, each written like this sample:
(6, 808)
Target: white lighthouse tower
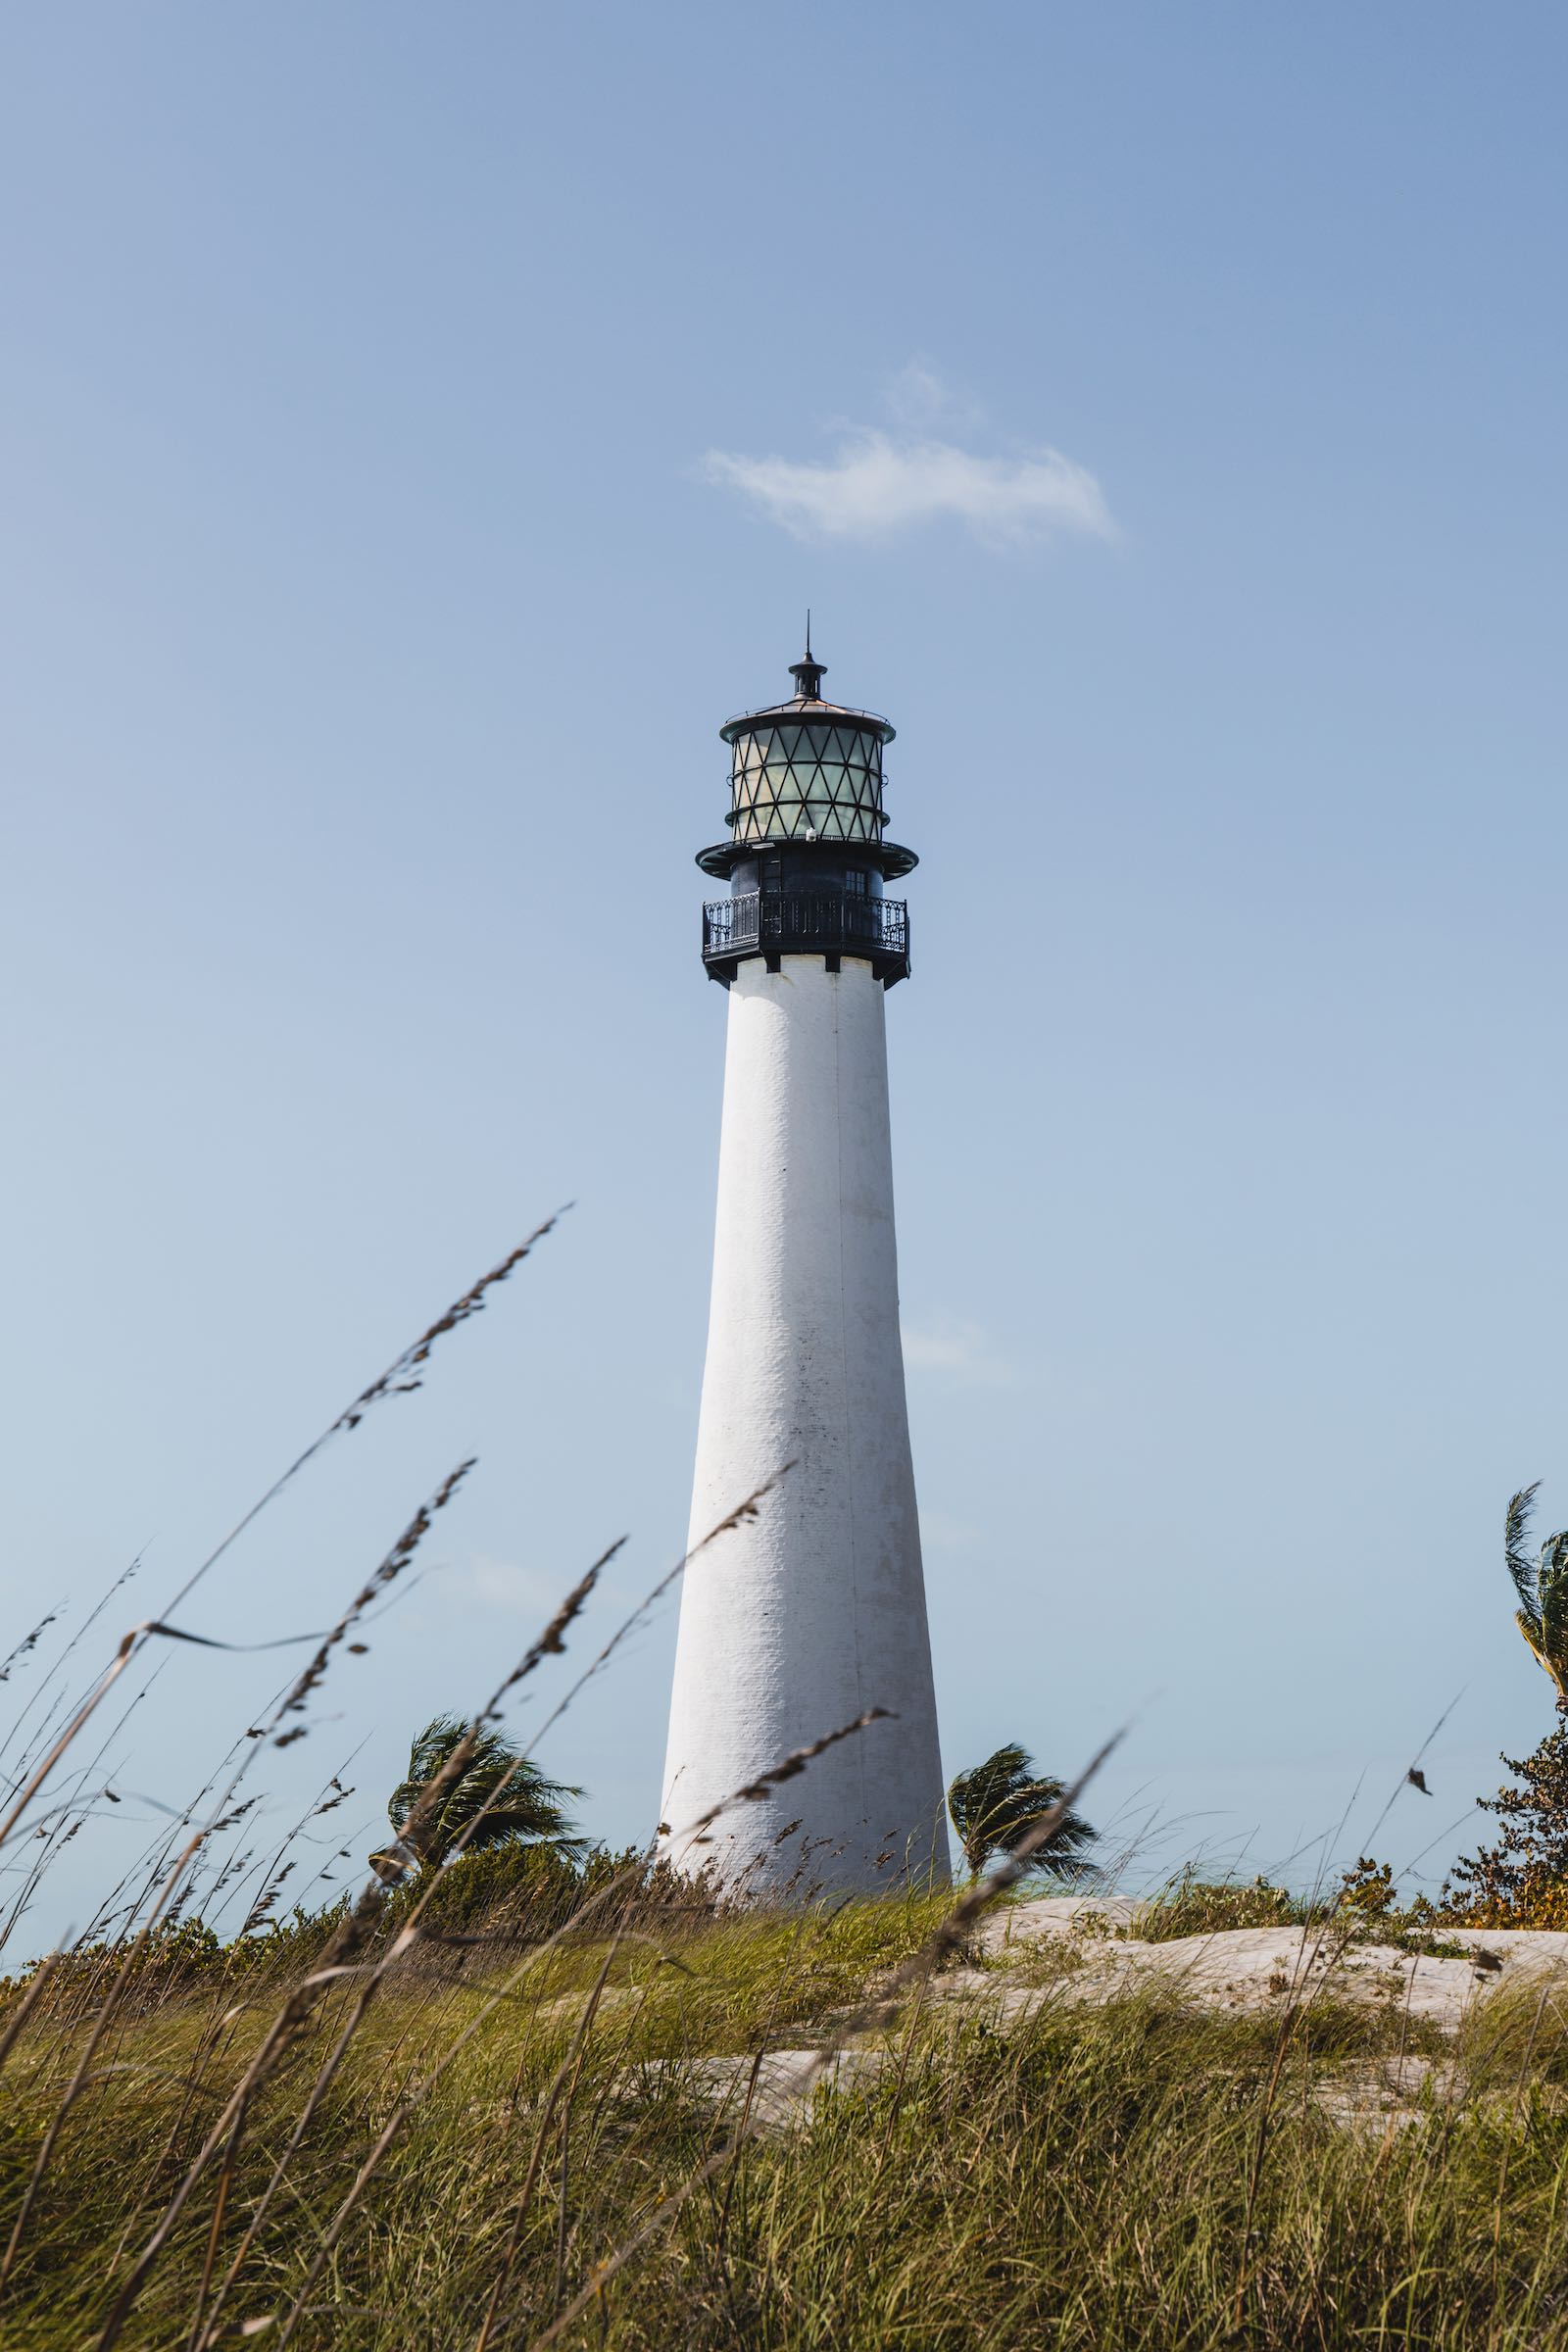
(806, 1616)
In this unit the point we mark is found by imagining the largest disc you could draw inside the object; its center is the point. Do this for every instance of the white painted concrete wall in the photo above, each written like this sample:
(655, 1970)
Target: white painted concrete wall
(798, 1622)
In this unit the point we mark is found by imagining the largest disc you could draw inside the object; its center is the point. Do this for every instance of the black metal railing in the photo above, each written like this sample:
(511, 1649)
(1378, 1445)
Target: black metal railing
(826, 922)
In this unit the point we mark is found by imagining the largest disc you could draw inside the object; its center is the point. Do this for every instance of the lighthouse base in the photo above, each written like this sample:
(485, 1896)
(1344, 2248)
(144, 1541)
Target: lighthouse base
(800, 1620)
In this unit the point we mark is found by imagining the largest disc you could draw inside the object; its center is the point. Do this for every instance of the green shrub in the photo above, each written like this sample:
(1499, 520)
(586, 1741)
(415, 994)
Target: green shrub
(1193, 1906)
(1521, 1881)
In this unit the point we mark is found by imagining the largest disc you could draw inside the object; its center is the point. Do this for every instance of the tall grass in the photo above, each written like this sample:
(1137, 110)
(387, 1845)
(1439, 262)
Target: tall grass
(522, 2100)
(1082, 2180)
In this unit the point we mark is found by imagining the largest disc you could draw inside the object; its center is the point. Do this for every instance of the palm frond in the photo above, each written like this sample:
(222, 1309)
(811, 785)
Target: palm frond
(1524, 1571)
(996, 1804)
(1531, 1630)
(1553, 1586)
(500, 1798)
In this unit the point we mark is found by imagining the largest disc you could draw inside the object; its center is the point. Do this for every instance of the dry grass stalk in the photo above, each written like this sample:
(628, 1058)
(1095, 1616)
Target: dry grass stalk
(550, 1644)
(83, 1715)
(390, 1569)
(28, 1644)
(215, 2232)
(787, 1769)
(395, 1380)
(58, 1667)
(740, 1515)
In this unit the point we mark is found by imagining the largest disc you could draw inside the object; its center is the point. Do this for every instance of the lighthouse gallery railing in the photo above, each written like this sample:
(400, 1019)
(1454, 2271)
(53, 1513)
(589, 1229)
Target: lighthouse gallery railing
(832, 920)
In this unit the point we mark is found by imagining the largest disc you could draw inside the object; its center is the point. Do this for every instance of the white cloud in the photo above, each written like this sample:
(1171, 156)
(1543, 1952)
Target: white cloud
(878, 484)
(491, 1584)
(940, 1531)
(958, 1350)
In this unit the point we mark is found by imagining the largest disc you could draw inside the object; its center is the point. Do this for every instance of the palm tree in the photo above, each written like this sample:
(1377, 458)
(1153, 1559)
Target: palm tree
(499, 1798)
(1541, 1584)
(996, 1805)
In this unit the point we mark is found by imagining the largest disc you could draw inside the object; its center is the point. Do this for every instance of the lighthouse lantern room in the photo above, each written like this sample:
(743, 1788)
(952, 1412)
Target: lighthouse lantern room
(807, 860)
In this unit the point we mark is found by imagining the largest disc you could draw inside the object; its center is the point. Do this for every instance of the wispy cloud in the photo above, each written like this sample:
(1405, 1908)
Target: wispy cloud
(505, 1585)
(877, 483)
(958, 1350)
(941, 1532)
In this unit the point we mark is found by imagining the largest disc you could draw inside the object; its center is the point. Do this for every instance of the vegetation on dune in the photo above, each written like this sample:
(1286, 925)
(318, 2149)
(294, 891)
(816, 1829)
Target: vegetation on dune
(1134, 2176)
(531, 2108)
(1193, 1906)
(516, 2093)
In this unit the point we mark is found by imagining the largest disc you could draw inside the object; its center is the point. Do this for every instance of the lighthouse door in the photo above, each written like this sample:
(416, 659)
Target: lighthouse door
(770, 903)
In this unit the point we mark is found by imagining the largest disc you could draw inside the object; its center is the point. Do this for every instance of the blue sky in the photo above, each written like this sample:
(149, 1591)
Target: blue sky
(418, 430)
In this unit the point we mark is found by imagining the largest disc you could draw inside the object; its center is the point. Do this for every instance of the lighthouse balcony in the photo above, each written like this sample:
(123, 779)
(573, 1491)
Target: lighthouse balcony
(831, 923)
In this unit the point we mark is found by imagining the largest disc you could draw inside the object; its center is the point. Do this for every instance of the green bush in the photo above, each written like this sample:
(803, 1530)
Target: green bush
(1193, 1906)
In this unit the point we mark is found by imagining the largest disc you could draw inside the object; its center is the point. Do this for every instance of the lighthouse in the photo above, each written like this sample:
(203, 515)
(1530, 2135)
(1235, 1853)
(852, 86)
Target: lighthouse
(807, 1615)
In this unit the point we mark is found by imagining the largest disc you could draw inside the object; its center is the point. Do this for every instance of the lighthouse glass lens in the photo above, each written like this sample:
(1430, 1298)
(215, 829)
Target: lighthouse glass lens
(807, 778)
